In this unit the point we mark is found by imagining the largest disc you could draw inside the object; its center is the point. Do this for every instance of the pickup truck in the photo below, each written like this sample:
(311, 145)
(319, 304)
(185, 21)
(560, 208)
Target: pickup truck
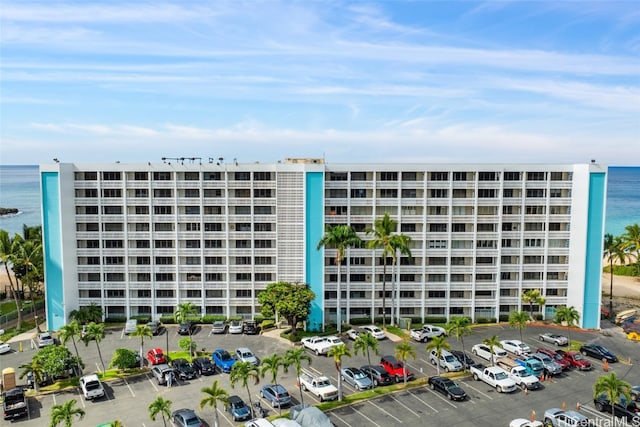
(320, 387)
(320, 345)
(524, 379)
(395, 368)
(427, 332)
(533, 366)
(91, 387)
(494, 376)
(556, 417)
(14, 404)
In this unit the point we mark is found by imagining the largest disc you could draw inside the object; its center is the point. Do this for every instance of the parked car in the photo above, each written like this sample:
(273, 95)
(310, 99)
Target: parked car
(91, 387)
(155, 327)
(447, 387)
(352, 334)
(556, 339)
(575, 359)
(463, 358)
(549, 365)
(522, 422)
(628, 411)
(556, 417)
(250, 328)
(635, 393)
(446, 361)
(243, 354)
(45, 339)
(219, 327)
(184, 369)
(4, 348)
(156, 356)
(379, 374)
(130, 326)
(277, 395)
(356, 378)
(238, 409)
(516, 347)
(204, 366)
(235, 327)
(375, 331)
(186, 328)
(556, 357)
(599, 352)
(483, 351)
(160, 373)
(186, 418)
(223, 360)
(395, 368)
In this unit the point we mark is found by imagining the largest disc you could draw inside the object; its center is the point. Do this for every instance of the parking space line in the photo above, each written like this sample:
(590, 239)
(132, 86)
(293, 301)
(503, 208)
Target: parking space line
(408, 409)
(425, 403)
(341, 420)
(84, 405)
(152, 384)
(436, 394)
(381, 409)
(363, 415)
(485, 395)
(314, 370)
(129, 387)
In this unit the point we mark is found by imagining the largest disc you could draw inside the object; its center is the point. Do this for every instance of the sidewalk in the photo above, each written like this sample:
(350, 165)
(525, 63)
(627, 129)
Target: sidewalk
(275, 333)
(27, 336)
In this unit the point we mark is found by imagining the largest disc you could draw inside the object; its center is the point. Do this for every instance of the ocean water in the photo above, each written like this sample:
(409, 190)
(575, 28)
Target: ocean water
(20, 188)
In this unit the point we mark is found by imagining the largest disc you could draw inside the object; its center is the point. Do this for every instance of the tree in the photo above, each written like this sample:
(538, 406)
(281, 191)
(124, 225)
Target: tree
(290, 300)
(161, 407)
(295, 356)
(519, 319)
(70, 331)
(340, 237)
(404, 350)
(213, 395)
(338, 352)
(242, 372)
(383, 229)
(187, 344)
(438, 344)
(95, 332)
(363, 344)
(27, 260)
(568, 315)
(182, 314)
(492, 342)
(123, 358)
(399, 243)
(142, 331)
(57, 360)
(64, 413)
(613, 251)
(458, 327)
(36, 370)
(614, 388)
(8, 250)
(87, 314)
(631, 243)
(272, 365)
(531, 297)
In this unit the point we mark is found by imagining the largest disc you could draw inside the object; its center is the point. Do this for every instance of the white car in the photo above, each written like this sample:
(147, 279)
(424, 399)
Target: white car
(553, 338)
(45, 339)
(447, 361)
(235, 327)
(516, 347)
(4, 348)
(375, 331)
(352, 334)
(521, 422)
(91, 387)
(482, 350)
(243, 354)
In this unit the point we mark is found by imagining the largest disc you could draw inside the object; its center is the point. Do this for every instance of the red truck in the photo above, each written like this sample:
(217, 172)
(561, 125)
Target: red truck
(576, 360)
(395, 368)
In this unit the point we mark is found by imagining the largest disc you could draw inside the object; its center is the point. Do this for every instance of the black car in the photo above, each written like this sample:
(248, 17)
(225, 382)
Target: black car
(155, 327)
(463, 358)
(204, 366)
(447, 387)
(183, 369)
(250, 328)
(186, 328)
(238, 409)
(629, 411)
(380, 375)
(598, 352)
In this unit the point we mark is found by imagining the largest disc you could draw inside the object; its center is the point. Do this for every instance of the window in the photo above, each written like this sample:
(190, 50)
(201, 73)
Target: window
(532, 259)
(192, 244)
(213, 210)
(507, 192)
(162, 193)
(262, 210)
(111, 192)
(213, 192)
(436, 278)
(456, 294)
(532, 275)
(439, 193)
(143, 260)
(243, 260)
(262, 244)
(437, 294)
(485, 193)
(460, 176)
(388, 176)
(192, 193)
(162, 176)
(487, 176)
(409, 176)
(212, 244)
(243, 244)
(409, 193)
(212, 226)
(140, 176)
(243, 277)
(437, 210)
(211, 176)
(458, 260)
(164, 293)
(438, 228)
(437, 244)
(192, 210)
(191, 176)
(242, 226)
(263, 260)
(242, 193)
(114, 260)
(164, 260)
(486, 227)
(112, 210)
(337, 193)
(487, 210)
(111, 176)
(242, 176)
(387, 193)
(439, 176)
(262, 176)
(561, 176)
(213, 260)
(142, 210)
(165, 277)
(535, 192)
(358, 193)
(481, 260)
(115, 293)
(437, 261)
(143, 277)
(142, 244)
(407, 228)
(536, 176)
(163, 210)
(512, 176)
(192, 226)
(262, 226)
(336, 176)
(141, 193)
(265, 192)
(243, 210)
(533, 243)
(113, 244)
(163, 226)
(213, 293)
(214, 277)
(533, 226)
(407, 277)
(163, 244)
(192, 260)
(458, 228)
(534, 210)
(358, 176)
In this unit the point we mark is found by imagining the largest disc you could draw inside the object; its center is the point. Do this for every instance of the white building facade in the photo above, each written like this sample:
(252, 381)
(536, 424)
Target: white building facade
(139, 239)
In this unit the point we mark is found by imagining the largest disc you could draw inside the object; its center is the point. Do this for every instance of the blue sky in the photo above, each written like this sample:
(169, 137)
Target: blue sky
(414, 81)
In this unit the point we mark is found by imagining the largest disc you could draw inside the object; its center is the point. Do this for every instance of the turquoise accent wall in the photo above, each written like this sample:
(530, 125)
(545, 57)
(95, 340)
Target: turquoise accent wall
(314, 274)
(52, 237)
(595, 236)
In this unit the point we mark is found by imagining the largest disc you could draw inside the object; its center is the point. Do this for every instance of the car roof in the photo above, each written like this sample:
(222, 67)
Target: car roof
(90, 377)
(235, 399)
(244, 350)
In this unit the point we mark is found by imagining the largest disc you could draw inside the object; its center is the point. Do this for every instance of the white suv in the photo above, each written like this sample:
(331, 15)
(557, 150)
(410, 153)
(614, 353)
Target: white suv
(447, 361)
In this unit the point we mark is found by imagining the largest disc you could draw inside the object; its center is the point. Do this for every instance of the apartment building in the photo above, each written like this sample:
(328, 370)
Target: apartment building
(142, 238)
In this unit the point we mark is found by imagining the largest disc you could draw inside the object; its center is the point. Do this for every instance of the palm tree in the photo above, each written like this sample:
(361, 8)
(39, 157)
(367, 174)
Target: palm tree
(8, 249)
(614, 388)
(568, 315)
(162, 407)
(399, 242)
(94, 312)
(295, 356)
(492, 342)
(242, 372)
(64, 413)
(404, 350)
(532, 296)
(272, 365)
(364, 343)
(70, 331)
(182, 314)
(519, 319)
(338, 352)
(458, 326)
(614, 250)
(142, 331)
(631, 239)
(438, 344)
(213, 395)
(36, 369)
(27, 259)
(340, 237)
(95, 331)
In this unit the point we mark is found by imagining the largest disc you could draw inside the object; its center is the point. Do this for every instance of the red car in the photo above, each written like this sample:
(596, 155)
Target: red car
(395, 369)
(156, 356)
(558, 358)
(575, 359)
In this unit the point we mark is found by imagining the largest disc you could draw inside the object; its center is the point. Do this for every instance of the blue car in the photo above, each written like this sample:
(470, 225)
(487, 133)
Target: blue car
(223, 360)
(238, 409)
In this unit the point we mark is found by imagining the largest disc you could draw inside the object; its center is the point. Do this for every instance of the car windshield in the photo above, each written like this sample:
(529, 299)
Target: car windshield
(523, 346)
(359, 375)
(501, 376)
(92, 385)
(247, 354)
(193, 421)
(450, 359)
(577, 357)
(224, 355)
(323, 383)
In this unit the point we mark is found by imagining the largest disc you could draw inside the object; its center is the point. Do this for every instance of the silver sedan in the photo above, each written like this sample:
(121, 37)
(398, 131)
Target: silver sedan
(356, 378)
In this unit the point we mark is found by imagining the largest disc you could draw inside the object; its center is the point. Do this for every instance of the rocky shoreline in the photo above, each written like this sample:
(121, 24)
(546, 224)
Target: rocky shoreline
(8, 211)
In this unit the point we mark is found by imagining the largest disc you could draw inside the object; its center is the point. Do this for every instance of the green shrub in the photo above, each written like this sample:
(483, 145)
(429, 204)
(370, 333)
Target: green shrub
(504, 317)
(435, 319)
(210, 318)
(267, 324)
(168, 320)
(142, 318)
(482, 320)
(115, 319)
(538, 316)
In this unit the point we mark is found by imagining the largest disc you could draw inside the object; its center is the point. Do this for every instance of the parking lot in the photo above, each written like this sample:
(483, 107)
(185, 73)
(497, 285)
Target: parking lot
(128, 399)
